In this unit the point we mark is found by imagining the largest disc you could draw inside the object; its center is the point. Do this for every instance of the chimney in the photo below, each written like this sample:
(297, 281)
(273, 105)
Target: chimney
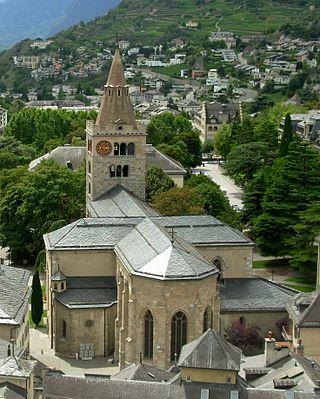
(274, 351)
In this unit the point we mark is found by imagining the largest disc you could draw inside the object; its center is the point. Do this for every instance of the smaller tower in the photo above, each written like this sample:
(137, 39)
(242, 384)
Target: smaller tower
(116, 144)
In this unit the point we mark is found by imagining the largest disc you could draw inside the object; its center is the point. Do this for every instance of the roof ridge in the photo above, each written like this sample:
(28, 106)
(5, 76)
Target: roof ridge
(310, 307)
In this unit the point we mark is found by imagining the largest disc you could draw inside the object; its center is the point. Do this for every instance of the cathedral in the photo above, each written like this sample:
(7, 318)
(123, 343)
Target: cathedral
(124, 281)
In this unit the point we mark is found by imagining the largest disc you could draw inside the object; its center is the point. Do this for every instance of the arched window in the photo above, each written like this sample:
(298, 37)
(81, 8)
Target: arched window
(62, 286)
(123, 149)
(112, 171)
(89, 145)
(89, 167)
(120, 127)
(109, 92)
(210, 129)
(119, 170)
(125, 171)
(219, 263)
(131, 149)
(116, 149)
(64, 329)
(207, 319)
(178, 333)
(148, 335)
(119, 92)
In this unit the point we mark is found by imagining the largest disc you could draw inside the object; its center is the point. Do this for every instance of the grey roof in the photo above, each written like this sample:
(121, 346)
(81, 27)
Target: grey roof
(221, 112)
(58, 387)
(11, 391)
(58, 276)
(118, 202)
(14, 367)
(14, 294)
(62, 155)
(4, 349)
(203, 230)
(91, 233)
(166, 163)
(79, 388)
(143, 372)
(88, 292)
(253, 393)
(253, 294)
(148, 250)
(304, 309)
(210, 351)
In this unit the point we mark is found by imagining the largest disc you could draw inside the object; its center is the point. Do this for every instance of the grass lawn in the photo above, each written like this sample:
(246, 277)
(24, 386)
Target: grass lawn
(270, 263)
(301, 288)
(42, 323)
(308, 280)
(171, 70)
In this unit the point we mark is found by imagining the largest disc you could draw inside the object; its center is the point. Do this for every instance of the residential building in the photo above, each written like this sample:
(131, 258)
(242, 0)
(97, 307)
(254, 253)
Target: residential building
(213, 115)
(29, 61)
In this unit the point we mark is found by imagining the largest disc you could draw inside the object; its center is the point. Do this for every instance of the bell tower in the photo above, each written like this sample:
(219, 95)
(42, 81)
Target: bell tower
(116, 144)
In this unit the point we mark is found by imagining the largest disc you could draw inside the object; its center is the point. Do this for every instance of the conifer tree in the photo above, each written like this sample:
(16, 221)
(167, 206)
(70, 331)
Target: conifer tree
(286, 137)
(36, 299)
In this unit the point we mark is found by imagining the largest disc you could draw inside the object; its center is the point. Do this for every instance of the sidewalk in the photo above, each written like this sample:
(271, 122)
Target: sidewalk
(40, 350)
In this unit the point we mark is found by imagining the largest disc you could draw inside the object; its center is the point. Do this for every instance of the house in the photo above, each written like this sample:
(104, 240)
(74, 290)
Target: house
(14, 305)
(303, 330)
(213, 115)
(28, 61)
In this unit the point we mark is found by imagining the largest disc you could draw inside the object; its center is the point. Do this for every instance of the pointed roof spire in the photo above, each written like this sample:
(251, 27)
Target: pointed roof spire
(116, 73)
(116, 105)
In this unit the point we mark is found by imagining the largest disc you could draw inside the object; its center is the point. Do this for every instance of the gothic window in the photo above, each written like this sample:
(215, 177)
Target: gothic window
(125, 171)
(178, 333)
(120, 127)
(123, 149)
(89, 145)
(119, 170)
(148, 335)
(109, 92)
(64, 329)
(89, 188)
(207, 319)
(62, 286)
(55, 286)
(119, 92)
(116, 149)
(131, 149)
(112, 171)
(89, 167)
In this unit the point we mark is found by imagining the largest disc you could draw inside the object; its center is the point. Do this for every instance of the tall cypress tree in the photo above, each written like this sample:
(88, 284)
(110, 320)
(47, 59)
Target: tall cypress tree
(286, 137)
(36, 299)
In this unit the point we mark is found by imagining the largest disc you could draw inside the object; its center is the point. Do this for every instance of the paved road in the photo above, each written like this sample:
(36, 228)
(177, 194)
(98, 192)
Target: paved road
(233, 192)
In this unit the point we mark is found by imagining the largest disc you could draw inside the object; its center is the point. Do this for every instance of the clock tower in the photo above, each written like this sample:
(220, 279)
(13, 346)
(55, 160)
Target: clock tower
(116, 144)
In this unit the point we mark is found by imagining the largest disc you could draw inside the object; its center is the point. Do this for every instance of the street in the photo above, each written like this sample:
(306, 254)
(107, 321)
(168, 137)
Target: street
(233, 192)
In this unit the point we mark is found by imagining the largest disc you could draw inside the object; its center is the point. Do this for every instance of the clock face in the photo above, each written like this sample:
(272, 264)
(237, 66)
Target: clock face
(104, 148)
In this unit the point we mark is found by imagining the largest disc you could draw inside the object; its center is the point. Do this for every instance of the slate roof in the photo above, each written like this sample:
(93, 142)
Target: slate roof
(304, 309)
(62, 155)
(118, 202)
(169, 165)
(58, 276)
(4, 349)
(148, 250)
(143, 372)
(253, 294)
(88, 292)
(218, 111)
(210, 351)
(203, 230)
(11, 391)
(14, 367)
(57, 387)
(276, 394)
(91, 233)
(14, 294)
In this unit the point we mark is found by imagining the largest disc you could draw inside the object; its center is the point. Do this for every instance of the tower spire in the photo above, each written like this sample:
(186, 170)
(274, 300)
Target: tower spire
(116, 105)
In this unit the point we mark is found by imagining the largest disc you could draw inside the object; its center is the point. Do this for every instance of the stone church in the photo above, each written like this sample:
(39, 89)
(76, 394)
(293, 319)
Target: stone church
(125, 281)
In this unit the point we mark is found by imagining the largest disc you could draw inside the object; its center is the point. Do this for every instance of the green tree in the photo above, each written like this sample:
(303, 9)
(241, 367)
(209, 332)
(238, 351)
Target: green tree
(36, 299)
(207, 147)
(27, 199)
(294, 187)
(245, 160)
(156, 182)
(178, 202)
(223, 141)
(287, 136)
